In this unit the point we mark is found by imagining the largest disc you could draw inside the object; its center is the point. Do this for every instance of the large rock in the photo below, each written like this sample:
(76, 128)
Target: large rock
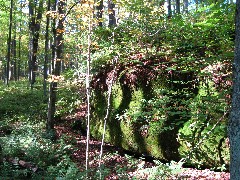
(151, 116)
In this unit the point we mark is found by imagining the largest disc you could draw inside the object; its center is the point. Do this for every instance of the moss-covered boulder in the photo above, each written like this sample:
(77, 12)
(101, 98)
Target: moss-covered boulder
(152, 113)
(203, 137)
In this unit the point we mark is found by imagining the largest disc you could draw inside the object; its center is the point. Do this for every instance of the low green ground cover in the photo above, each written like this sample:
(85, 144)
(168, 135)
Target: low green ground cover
(23, 139)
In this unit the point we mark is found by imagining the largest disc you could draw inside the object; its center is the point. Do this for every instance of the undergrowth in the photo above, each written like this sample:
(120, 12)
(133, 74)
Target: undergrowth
(23, 139)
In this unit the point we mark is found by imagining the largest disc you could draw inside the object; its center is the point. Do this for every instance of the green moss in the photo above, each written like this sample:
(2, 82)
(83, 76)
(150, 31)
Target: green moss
(116, 96)
(122, 129)
(203, 137)
(128, 137)
(153, 124)
(205, 149)
(136, 102)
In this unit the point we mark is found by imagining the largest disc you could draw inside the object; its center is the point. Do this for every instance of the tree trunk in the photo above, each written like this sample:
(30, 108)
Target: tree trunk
(30, 45)
(169, 8)
(46, 60)
(99, 14)
(5, 72)
(14, 45)
(52, 97)
(19, 56)
(34, 26)
(59, 38)
(88, 93)
(9, 44)
(57, 53)
(19, 44)
(14, 59)
(178, 6)
(14, 53)
(234, 121)
(111, 11)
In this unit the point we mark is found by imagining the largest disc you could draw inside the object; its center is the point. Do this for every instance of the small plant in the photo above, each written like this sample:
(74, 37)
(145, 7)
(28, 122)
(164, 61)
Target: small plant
(162, 171)
(26, 143)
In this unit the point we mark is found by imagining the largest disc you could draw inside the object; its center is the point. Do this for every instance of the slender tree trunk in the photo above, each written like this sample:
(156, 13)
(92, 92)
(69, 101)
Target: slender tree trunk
(5, 71)
(14, 60)
(178, 6)
(19, 51)
(46, 60)
(57, 58)
(59, 38)
(14, 53)
(52, 95)
(19, 56)
(14, 50)
(111, 11)
(30, 45)
(36, 16)
(88, 93)
(9, 44)
(19, 45)
(99, 14)
(169, 8)
(234, 121)
(2, 68)
(108, 110)
(62, 65)
(11, 63)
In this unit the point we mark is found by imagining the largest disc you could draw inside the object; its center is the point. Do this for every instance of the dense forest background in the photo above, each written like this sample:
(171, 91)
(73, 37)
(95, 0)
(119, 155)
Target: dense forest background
(153, 78)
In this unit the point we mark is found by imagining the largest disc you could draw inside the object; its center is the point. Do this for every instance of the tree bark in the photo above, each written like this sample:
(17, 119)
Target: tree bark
(169, 8)
(111, 12)
(9, 44)
(57, 53)
(19, 55)
(34, 27)
(88, 93)
(52, 97)
(99, 14)
(14, 59)
(46, 59)
(178, 6)
(14, 52)
(234, 121)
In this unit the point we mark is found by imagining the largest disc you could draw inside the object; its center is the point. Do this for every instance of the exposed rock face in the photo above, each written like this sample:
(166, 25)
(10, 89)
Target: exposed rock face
(149, 105)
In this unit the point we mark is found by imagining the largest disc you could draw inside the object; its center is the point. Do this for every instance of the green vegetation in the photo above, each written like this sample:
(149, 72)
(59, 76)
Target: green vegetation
(171, 95)
(23, 138)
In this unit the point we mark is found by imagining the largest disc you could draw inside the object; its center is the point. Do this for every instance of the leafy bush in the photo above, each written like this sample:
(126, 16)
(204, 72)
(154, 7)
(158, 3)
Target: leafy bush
(26, 143)
(71, 94)
(203, 136)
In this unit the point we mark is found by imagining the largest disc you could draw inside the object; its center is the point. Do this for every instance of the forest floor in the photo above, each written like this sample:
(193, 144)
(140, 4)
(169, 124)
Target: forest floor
(115, 161)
